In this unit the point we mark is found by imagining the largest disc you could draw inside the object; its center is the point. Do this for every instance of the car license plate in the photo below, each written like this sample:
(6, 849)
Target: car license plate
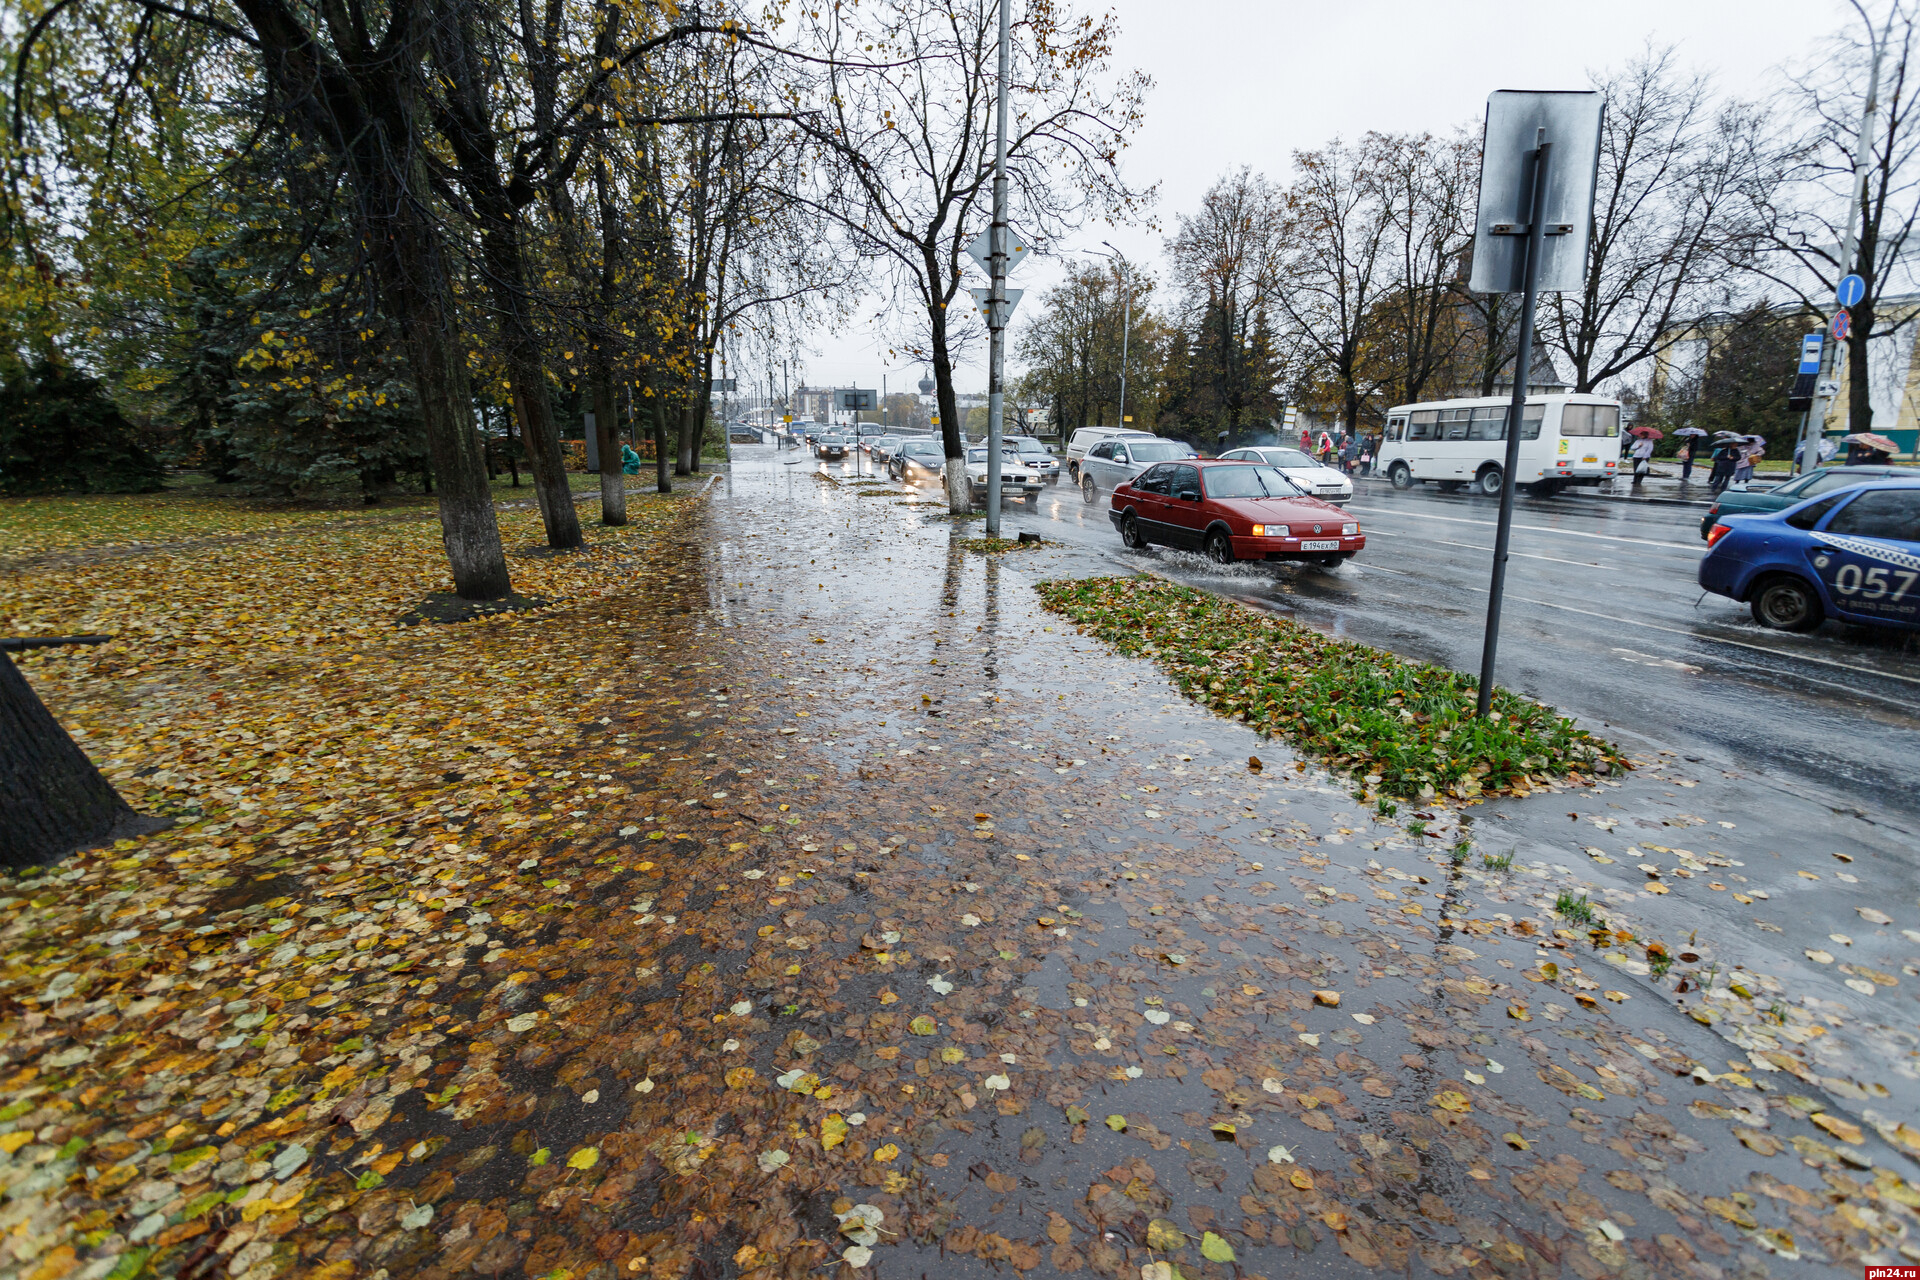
(1591, 458)
(1013, 489)
(1320, 544)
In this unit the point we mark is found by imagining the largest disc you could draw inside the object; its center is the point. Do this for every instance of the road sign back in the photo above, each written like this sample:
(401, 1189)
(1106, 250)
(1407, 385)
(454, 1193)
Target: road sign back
(980, 249)
(1516, 123)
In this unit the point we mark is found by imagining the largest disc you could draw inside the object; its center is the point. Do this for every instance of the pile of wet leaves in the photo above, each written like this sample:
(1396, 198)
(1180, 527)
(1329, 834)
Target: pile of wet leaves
(1407, 728)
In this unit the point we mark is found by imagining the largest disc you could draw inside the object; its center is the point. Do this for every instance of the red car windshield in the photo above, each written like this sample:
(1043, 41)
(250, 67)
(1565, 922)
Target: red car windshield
(1249, 482)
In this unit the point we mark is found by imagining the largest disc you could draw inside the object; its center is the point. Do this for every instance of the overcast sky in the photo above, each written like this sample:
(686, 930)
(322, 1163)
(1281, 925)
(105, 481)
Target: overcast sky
(1251, 81)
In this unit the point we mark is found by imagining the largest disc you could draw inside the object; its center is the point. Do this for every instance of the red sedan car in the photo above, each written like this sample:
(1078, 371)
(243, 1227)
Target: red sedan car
(1232, 511)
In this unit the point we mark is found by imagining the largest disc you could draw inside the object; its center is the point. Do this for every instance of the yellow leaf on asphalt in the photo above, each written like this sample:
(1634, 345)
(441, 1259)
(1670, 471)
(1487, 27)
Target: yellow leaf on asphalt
(1845, 1130)
(833, 1131)
(584, 1158)
(1452, 1100)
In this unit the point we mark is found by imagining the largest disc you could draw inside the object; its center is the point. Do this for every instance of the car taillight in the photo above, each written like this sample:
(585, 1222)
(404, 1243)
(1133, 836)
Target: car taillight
(1718, 532)
(1714, 510)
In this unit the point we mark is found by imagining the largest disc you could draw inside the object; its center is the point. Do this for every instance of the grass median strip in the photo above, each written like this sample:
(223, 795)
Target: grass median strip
(1404, 728)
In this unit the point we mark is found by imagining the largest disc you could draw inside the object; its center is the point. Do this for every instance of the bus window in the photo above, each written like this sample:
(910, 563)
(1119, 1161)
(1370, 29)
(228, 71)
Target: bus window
(1454, 423)
(1530, 420)
(1396, 427)
(1590, 420)
(1420, 426)
(1489, 423)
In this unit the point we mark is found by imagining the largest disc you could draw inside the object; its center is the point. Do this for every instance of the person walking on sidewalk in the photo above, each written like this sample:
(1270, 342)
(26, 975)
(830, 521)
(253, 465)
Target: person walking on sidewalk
(1722, 473)
(1350, 453)
(1642, 459)
(1686, 462)
(1750, 454)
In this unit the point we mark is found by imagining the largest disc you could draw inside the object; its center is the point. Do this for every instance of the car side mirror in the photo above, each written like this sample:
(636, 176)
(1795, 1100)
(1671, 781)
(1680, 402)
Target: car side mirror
(1190, 495)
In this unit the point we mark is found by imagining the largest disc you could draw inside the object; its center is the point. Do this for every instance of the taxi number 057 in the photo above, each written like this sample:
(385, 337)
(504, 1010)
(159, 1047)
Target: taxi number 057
(1872, 584)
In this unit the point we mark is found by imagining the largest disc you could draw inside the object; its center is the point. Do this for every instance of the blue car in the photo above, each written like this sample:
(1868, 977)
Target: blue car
(1853, 555)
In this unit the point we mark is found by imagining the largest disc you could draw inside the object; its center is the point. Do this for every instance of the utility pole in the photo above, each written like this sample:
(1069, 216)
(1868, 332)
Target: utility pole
(1126, 325)
(997, 306)
(1814, 425)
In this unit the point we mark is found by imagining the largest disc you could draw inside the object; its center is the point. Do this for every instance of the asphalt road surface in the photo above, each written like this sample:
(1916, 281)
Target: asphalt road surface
(1603, 619)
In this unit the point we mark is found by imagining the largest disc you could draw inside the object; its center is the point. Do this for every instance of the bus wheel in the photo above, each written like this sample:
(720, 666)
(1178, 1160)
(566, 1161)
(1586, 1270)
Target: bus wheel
(1401, 475)
(1490, 482)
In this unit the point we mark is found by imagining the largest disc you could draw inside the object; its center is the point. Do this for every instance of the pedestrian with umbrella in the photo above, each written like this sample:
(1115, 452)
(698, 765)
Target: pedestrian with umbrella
(1725, 458)
(1869, 449)
(1643, 451)
(1690, 435)
(1751, 450)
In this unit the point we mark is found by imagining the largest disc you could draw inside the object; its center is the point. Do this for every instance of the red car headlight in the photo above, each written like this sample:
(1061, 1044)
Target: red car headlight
(1718, 532)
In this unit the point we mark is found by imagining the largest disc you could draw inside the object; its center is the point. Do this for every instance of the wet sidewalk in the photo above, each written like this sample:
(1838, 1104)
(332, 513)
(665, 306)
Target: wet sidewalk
(879, 924)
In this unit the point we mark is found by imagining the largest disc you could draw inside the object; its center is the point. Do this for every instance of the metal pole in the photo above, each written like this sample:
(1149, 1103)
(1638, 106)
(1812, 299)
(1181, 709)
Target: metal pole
(1814, 425)
(1516, 413)
(1126, 329)
(997, 304)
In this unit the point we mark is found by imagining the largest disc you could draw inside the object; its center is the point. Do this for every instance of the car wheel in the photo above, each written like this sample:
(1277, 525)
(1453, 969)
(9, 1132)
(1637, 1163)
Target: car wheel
(1089, 491)
(1219, 547)
(1130, 534)
(1786, 603)
(1401, 475)
(1490, 482)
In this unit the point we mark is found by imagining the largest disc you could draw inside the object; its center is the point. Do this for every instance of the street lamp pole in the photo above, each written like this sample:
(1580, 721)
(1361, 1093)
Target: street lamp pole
(997, 298)
(1126, 325)
(1815, 424)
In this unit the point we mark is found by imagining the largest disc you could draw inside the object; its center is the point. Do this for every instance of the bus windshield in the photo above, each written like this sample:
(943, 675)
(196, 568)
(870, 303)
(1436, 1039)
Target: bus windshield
(1590, 420)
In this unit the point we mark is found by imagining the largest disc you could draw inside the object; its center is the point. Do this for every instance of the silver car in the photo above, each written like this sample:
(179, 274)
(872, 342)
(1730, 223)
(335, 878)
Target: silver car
(1323, 482)
(1113, 462)
(1035, 456)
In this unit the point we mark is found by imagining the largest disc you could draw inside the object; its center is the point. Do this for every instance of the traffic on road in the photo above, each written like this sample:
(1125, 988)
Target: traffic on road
(1606, 615)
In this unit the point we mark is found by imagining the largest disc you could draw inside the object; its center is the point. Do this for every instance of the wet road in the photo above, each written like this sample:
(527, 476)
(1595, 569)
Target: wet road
(1603, 619)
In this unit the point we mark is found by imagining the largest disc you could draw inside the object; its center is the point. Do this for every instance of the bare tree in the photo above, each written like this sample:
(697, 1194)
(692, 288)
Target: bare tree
(1674, 171)
(1424, 188)
(1338, 265)
(904, 135)
(1800, 201)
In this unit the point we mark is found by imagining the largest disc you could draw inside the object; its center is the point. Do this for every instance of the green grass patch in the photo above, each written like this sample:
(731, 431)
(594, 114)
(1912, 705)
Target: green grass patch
(1497, 861)
(1407, 728)
(1577, 909)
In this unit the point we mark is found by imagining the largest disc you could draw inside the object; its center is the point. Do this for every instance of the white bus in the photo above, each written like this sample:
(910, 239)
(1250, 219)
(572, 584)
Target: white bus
(1564, 440)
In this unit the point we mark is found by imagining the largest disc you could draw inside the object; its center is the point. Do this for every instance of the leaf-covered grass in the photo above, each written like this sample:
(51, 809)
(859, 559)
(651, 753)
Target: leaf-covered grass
(1406, 728)
(994, 546)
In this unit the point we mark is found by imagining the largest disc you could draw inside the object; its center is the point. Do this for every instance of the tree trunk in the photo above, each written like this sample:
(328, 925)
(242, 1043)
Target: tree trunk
(439, 369)
(1859, 386)
(52, 800)
(466, 122)
(684, 453)
(661, 479)
(959, 492)
(521, 352)
(613, 478)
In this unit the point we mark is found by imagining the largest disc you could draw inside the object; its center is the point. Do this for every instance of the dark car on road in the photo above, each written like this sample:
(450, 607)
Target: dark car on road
(1232, 511)
(918, 461)
(831, 447)
(880, 448)
(1853, 554)
(1740, 502)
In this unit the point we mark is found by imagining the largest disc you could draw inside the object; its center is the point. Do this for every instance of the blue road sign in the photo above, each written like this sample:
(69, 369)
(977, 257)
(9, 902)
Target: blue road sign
(1850, 290)
(1810, 352)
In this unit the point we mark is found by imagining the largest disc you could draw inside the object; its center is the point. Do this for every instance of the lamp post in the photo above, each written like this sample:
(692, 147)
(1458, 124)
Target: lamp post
(1815, 424)
(1126, 322)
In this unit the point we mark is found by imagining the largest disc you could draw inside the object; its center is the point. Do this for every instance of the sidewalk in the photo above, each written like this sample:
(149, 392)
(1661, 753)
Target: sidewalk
(873, 920)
